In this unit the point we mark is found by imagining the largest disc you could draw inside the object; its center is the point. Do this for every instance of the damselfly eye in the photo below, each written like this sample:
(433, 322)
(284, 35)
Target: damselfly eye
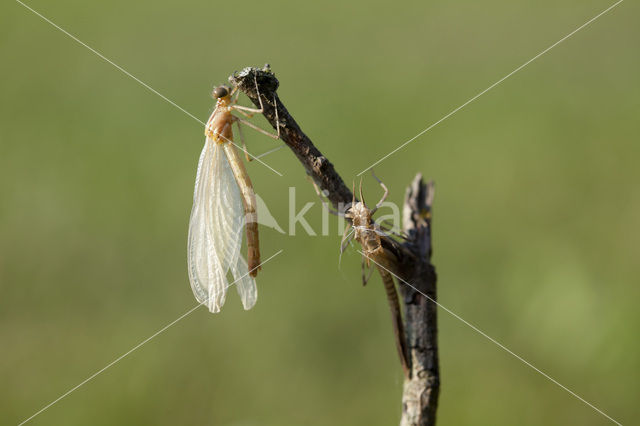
(220, 92)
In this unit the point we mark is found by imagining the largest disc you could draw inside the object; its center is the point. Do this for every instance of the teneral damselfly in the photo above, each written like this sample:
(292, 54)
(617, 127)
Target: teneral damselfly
(224, 203)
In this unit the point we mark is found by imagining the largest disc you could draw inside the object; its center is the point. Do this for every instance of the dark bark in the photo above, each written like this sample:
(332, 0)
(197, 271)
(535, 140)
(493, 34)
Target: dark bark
(317, 166)
(414, 270)
(421, 390)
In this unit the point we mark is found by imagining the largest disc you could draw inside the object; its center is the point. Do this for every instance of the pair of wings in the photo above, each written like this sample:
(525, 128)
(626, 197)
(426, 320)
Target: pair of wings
(215, 233)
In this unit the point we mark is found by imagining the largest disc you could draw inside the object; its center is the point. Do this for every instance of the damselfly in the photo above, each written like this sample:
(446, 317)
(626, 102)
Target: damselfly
(223, 203)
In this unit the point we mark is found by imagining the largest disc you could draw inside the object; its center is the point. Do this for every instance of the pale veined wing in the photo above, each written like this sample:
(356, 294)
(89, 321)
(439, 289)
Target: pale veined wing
(215, 232)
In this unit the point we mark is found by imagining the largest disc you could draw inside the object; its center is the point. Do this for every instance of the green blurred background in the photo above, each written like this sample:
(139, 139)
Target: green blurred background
(537, 213)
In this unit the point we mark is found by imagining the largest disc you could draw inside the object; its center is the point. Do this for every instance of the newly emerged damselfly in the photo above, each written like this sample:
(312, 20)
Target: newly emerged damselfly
(224, 203)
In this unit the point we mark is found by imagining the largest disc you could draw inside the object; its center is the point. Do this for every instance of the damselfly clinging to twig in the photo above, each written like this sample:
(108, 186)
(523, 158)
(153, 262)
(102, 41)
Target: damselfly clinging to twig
(223, 203)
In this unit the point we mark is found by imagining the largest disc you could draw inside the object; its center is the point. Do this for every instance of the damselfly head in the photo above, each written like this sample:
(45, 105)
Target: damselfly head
(220, 92)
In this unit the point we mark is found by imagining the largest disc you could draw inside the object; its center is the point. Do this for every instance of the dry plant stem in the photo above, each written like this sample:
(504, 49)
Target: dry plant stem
(317, 166)
(421, 388)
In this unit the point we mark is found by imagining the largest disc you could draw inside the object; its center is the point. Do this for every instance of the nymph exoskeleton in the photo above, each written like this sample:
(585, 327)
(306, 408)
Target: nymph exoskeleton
(369, 234)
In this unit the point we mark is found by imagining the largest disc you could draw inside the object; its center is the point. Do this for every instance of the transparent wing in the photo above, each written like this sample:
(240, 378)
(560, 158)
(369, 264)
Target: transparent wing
(205, 269)
(246, 283)
(227, 212)
(215, 227)
(233, 226)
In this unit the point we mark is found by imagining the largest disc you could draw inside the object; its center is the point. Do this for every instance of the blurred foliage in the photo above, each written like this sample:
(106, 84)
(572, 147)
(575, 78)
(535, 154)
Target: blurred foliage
(537, 214)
